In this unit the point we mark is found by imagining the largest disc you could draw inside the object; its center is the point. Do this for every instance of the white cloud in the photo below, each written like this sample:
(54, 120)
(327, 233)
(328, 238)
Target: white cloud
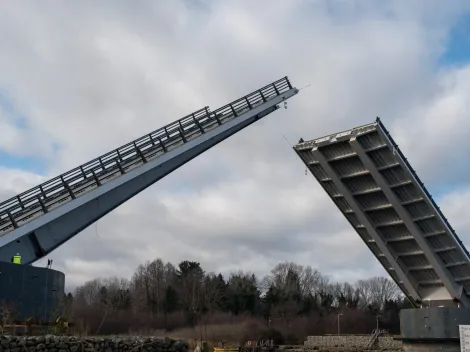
(15, 136)
(89, 77)
(434, 134)
(15, 181)
(454, 205)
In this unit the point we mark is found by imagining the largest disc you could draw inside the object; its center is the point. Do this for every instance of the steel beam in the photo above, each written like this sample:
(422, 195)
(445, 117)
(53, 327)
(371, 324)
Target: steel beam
(407, 282)
(455, 290)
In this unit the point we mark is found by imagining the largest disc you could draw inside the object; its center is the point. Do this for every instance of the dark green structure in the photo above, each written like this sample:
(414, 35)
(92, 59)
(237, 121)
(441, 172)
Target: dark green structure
(30, 292)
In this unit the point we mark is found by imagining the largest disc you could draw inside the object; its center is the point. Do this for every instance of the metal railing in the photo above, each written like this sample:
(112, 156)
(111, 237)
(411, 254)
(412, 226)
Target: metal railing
(41, 199)
(373, 338)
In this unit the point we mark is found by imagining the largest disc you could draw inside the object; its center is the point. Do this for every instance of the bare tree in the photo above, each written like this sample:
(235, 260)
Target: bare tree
(139, 284)
(310, 280)
(376, 291)
(346, 295)
(88, 293)
(149, 284)
(114, 296)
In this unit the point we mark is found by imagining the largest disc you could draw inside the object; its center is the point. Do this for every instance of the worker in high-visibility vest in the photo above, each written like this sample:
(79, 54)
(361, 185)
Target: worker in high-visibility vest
(16, 259)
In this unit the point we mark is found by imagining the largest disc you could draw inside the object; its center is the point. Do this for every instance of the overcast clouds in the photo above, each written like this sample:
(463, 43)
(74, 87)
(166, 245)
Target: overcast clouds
(80, 78)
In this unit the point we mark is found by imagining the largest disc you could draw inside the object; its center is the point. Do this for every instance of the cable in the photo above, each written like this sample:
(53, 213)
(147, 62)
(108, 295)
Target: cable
(283, 136)
(290, 145)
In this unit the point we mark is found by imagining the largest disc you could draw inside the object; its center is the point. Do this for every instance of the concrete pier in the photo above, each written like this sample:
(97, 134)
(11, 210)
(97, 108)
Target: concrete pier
(432, 329)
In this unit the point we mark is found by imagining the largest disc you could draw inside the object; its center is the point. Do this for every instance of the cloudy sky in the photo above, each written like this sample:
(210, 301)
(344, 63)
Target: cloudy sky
(78, 79)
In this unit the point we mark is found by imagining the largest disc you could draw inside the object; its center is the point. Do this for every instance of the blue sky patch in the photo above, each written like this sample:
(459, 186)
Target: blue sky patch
(458, 43)
(6, 104)
(7, 160)
(23, 163)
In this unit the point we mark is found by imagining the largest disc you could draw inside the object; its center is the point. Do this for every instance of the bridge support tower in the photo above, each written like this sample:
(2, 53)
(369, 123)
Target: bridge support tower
(28, 291)
(432, 329)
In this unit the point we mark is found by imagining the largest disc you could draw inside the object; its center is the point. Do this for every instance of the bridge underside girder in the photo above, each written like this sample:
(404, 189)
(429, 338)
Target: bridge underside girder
(367, 177)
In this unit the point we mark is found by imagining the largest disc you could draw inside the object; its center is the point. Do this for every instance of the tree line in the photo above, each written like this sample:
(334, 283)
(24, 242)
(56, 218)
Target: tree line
(296, 299)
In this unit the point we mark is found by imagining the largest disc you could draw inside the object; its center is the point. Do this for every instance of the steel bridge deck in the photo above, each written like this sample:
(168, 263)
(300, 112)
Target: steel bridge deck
(41, 219)
(371, 182)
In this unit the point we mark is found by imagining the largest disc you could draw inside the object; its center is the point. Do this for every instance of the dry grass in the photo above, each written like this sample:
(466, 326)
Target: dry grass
(211, 335)
(212, 332)
(219, 326)
(216, 329)
(236, 330)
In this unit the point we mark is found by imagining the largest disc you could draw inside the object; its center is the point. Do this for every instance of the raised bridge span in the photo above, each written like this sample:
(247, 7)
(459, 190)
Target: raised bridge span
(375, 188)
(362, 170)
(36, 222)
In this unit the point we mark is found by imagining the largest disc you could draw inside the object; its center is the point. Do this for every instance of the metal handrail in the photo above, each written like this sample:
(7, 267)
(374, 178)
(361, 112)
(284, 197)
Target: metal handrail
(52, 193)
